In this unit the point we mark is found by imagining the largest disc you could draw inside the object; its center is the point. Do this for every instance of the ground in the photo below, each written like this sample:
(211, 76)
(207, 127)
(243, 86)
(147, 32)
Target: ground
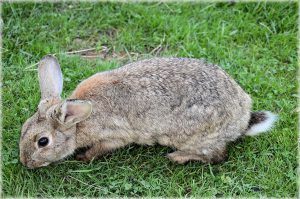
(256, 43)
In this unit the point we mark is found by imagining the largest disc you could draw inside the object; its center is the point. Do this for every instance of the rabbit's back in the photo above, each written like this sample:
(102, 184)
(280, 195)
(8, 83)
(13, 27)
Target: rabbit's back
(166, 100)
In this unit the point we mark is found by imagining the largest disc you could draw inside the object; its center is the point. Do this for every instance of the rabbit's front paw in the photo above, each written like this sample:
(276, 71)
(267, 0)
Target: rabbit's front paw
(88, 155)
(83, 157)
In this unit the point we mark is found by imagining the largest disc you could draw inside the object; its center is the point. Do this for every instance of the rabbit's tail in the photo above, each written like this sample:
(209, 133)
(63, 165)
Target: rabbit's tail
(260, 122)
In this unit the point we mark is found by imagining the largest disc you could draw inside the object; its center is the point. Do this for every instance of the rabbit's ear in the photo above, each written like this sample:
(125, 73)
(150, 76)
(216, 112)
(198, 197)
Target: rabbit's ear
(73, 111)
(50, 77)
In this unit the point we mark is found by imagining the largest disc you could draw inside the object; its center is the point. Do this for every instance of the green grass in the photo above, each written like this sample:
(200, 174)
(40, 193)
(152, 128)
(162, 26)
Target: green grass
(256, 43)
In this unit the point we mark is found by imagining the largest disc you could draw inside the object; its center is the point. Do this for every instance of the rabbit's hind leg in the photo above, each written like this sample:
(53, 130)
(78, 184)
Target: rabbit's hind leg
(209, 147)
(182, 157)
(212, 155)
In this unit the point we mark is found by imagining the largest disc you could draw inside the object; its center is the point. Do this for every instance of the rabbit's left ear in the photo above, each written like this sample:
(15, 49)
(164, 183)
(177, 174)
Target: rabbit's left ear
(51, 83)
(50, 78)
(70, 112)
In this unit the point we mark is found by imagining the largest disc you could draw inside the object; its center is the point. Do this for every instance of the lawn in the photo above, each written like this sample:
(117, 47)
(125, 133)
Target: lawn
(256, 43)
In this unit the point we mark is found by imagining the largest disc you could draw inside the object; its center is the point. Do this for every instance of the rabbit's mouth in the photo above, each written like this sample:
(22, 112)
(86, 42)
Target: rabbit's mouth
(33, 164)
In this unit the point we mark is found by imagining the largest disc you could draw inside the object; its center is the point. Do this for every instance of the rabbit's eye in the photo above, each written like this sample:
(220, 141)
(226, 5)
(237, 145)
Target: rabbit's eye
(43, 141)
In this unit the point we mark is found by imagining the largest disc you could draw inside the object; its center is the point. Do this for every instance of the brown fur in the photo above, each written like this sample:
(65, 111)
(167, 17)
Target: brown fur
(187, 104)
(84, 88)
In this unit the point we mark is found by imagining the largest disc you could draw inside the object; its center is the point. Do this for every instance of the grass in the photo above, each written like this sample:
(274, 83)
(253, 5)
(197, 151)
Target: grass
(256, 43)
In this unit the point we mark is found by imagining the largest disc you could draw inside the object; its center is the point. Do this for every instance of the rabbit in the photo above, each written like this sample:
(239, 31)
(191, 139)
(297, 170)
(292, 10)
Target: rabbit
(187, 104)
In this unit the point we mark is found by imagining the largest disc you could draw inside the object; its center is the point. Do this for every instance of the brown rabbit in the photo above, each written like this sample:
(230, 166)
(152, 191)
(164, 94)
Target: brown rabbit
(187, 104)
